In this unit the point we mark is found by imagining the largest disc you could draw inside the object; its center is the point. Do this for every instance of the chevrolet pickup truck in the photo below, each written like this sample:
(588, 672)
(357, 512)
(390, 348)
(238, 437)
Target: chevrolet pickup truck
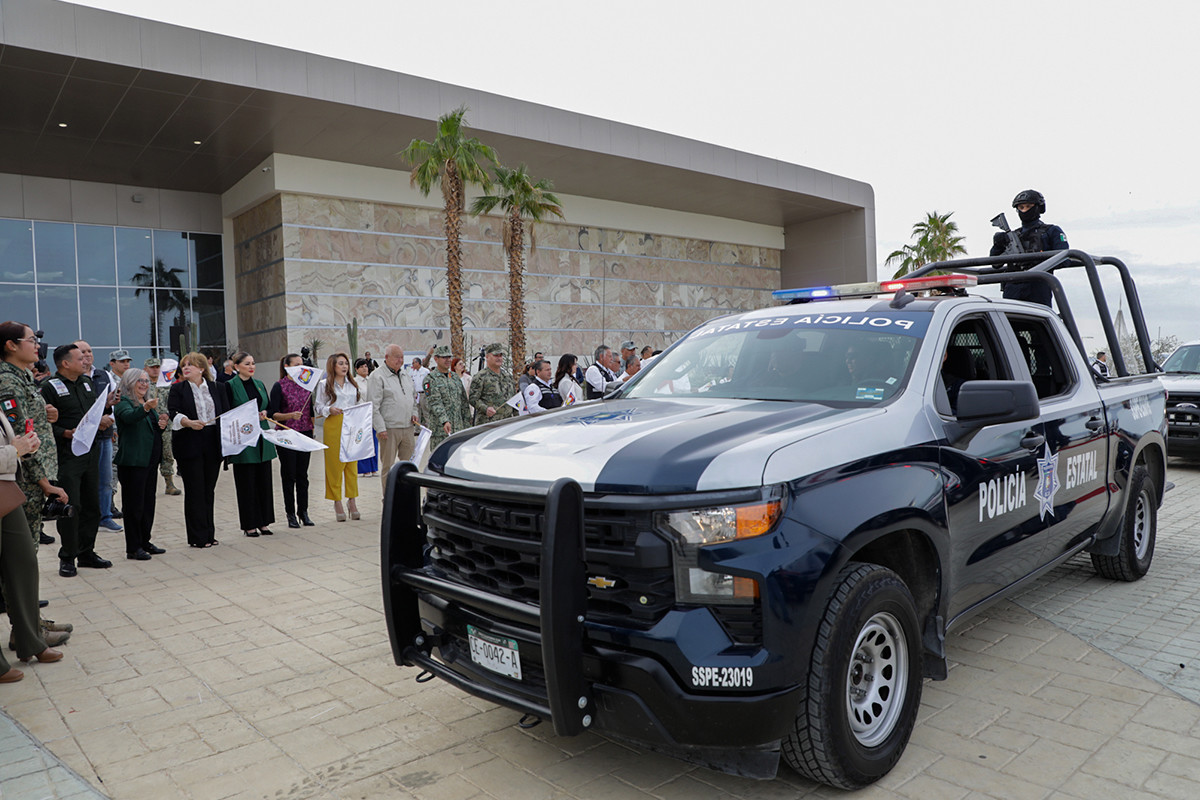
(756, 548)
(1181, 377)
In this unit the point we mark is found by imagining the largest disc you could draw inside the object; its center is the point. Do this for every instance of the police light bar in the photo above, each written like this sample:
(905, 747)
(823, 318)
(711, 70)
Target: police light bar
(876, 287)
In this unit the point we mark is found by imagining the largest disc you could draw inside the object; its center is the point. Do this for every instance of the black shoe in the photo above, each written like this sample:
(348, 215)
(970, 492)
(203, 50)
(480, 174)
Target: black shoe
(308, 523)
(251, 534)
(292, 521)
(93, 561)
(45, 539)
(43, 603)
(266, 531)
(116, 514)
(66, 567)
(154, 550)
(138, 555)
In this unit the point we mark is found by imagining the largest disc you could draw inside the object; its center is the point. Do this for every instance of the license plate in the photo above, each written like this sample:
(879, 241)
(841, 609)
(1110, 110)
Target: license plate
(496, 653)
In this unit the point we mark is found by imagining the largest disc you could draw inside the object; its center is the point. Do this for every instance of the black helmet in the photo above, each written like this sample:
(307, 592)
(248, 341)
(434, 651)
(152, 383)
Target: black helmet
(1031, 196)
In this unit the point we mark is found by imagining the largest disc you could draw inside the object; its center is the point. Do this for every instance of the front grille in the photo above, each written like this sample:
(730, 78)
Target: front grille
(496, 546)
(1184, 422)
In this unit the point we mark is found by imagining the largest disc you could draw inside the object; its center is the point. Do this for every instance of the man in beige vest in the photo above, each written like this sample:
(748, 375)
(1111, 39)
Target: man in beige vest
(390, 389)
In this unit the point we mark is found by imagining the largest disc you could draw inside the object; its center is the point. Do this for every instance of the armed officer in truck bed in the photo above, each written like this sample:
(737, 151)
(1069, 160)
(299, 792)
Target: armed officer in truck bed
(1035, 236)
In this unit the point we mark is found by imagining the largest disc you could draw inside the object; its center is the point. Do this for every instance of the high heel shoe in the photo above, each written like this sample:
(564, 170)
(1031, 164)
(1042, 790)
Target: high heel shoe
(47, 656)
(292, 521)
(251, 534)
(308, 523)
(338, 513)
(12, 676)
(354, 513)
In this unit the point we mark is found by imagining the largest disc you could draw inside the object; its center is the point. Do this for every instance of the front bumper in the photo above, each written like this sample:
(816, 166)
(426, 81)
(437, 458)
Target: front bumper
(577, 674)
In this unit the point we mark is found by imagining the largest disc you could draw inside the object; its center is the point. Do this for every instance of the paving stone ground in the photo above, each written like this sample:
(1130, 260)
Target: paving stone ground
(261, 669)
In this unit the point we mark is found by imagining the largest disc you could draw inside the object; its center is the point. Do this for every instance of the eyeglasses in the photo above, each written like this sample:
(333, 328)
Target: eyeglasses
(30, 339)
(142, 380)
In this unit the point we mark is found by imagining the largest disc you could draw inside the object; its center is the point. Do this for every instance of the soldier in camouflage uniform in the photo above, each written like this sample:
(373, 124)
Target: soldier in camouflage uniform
(167, 466)
(19, 401)
(445, 400)
(492, 388)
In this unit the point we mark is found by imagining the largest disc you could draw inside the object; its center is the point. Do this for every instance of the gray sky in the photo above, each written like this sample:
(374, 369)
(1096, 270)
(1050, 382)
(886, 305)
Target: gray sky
(947, 106)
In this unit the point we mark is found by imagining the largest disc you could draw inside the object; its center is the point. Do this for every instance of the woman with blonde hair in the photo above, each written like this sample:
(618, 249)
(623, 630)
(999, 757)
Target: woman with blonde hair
(336, 392)
(193, 404)
(140, 425)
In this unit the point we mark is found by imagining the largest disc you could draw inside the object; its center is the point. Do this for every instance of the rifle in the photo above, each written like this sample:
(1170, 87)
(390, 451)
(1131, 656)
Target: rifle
(1014, 246)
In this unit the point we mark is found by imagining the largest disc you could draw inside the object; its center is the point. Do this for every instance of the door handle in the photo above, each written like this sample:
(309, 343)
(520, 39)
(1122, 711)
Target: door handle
(1032, 440)
(1094, 424)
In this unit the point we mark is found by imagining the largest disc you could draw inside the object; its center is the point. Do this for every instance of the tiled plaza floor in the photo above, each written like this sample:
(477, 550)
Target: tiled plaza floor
(261, 669)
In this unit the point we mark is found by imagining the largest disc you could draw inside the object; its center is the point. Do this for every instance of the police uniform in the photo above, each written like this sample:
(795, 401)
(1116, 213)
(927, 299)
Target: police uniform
(492, 389)
(446, 401)
(19, 401)
(1036, 237)
(79, 476)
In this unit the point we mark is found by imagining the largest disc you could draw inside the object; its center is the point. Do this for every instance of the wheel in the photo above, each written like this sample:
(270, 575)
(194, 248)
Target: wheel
(864, 682)
(1138, 532)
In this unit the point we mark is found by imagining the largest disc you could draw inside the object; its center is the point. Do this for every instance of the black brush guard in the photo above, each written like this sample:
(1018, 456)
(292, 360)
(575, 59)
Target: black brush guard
(563, 592)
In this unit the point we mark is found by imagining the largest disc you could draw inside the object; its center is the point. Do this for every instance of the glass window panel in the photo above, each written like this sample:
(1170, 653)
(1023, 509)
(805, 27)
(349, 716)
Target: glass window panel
(54, 248)
(58, 314)
(174, 316)
(138, 355)
(171, 265)
(210, 270)
(17, 304)
(210, 313)
(138, 319)
(97, 256)
(134, 257)
(16, 251)
(98, 316)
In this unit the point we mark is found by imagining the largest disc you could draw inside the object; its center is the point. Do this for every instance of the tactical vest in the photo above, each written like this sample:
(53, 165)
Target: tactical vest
(592, 394)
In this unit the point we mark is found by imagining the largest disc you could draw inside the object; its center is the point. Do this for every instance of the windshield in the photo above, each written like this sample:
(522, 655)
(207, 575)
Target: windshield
(844, 360)
(1185, 359)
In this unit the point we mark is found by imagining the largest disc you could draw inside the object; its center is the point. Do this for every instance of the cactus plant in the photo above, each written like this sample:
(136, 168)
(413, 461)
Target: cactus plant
(352, 338)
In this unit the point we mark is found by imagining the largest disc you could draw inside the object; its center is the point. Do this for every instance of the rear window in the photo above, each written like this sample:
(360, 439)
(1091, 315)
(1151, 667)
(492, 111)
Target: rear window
(858, 359)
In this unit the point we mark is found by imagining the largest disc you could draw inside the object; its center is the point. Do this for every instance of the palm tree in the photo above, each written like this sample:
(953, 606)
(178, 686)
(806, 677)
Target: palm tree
(937, 240)
(451, 160)
(520, 198)
(170, 293)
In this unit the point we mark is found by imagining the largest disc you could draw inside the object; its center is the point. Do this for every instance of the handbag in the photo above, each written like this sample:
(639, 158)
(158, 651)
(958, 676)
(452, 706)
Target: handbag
(11, 497)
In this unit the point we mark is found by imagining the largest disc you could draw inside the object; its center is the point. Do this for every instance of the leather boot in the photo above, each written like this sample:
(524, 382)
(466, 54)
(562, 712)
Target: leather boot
(51, 625)
(171, 489)
(292, 521)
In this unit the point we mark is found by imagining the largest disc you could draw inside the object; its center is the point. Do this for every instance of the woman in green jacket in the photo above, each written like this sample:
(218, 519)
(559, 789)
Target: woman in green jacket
(140, 423)
(252, 466)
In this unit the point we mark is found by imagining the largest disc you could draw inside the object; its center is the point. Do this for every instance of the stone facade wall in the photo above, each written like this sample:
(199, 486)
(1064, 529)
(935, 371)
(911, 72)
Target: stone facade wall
(385, 265)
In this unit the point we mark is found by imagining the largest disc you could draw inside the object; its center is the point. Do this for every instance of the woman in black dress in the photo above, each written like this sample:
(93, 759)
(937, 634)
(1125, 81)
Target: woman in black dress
(193, 405)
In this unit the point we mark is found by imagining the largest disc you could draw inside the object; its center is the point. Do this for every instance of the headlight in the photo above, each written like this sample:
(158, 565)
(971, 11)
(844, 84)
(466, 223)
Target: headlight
(695, 528)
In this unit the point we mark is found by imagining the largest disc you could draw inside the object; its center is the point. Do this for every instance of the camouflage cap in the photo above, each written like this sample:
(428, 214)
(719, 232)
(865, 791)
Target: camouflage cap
(442, 350)
(151, 362)
(629, 345)
(119, 355)
(494, 347)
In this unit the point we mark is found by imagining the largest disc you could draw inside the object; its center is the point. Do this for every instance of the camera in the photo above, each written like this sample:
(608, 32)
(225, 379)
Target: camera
(43, 348)
(56, 509)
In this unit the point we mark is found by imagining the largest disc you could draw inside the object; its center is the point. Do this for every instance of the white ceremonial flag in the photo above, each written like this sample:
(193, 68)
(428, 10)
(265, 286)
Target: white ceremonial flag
(533, 399)
(291, 440)
(239, 428)
(423, 437)
(307, 377)
(166, 376)
(517, 401)
(85, 431)
(357, 443)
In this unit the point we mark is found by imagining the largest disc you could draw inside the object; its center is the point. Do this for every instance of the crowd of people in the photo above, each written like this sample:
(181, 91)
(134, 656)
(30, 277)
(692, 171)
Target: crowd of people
(146, 427)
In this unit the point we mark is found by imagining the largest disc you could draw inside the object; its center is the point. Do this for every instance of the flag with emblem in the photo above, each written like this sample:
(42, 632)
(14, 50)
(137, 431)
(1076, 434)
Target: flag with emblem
(85, 431)
(517, 401)
(308, 377)
(166, 375)
(357, 443)
(291, 440)
(239, 428)
(9, 408)
(573, 396)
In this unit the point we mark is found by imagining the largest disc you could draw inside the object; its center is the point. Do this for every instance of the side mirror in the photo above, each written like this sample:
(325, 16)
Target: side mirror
(990, 402)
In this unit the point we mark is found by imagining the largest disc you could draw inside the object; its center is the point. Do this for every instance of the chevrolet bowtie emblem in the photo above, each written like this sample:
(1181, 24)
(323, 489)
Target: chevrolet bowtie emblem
(600, 582)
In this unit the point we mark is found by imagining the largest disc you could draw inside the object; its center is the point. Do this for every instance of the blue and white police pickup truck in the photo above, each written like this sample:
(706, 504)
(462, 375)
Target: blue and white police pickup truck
(757, 547)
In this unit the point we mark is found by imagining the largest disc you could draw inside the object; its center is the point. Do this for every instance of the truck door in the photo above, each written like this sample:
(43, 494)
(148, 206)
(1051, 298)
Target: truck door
(990, 473)
(1071, 495)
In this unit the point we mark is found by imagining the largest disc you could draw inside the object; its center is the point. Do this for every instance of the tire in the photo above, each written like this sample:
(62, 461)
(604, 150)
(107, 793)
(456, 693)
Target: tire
(1139, 530)
(864, 682)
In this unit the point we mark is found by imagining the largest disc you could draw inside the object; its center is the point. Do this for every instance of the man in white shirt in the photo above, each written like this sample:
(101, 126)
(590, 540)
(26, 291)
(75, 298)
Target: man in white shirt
(419, 372)
(601, 377)
(394, 398)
